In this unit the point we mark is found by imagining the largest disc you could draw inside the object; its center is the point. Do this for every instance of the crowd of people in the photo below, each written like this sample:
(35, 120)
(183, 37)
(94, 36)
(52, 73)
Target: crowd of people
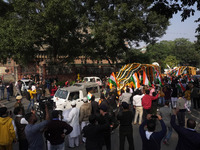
(94, 122)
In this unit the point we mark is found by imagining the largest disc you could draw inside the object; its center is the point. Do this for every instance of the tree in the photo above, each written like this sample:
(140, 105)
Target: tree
(135, 56)
(4, 8)
(158, 52)
(50, 25)
(98, 29)
(116, 24)
(169, 8)
(171, 61)
(185, 51)
(182, 50)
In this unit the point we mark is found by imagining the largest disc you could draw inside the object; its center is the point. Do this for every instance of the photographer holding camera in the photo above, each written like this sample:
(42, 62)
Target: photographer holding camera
(151, 140)
(34, 130)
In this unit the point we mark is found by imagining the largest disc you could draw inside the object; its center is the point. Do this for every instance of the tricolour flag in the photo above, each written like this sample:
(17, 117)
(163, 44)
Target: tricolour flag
(170, 77)
(89, 95)
(159, 78)
(180, 86)
(113, 80)
(135, 80)
(178, 73)
(145, 79)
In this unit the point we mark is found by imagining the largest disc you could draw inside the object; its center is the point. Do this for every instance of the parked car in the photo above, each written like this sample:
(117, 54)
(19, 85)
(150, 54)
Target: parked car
(25, 84)
(77, 92)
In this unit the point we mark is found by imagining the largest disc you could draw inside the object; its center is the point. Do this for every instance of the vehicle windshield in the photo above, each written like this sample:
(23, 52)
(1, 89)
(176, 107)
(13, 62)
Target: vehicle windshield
(61, 94)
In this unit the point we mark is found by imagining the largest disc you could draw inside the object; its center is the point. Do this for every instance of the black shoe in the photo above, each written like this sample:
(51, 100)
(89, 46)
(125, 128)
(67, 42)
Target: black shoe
(70, 147)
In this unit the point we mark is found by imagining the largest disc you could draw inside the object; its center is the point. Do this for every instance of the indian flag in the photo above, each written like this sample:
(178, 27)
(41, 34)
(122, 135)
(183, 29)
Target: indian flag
(145, 79)
(113, 80)
(135, 80)
(180, 86)
(178, 73)
(159, 78)
(173, 72)
(168, 75)
(89, 95)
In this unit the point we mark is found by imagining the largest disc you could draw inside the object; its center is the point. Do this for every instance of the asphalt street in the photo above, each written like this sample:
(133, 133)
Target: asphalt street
(115, 135)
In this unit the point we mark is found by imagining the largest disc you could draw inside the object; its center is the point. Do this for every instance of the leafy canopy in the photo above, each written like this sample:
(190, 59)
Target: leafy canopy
(98, 29)
(178, 52)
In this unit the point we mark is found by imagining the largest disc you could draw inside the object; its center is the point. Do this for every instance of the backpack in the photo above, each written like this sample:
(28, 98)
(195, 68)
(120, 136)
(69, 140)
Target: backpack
(28, 96)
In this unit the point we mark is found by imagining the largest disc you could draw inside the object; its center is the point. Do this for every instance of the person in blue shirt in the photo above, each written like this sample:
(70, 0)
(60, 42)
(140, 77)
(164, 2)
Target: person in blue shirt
(34, 132)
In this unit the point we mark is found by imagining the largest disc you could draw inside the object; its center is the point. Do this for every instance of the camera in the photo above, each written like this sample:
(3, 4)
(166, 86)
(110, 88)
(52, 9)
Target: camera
(46, 101)
(41, 109)
(154, 116)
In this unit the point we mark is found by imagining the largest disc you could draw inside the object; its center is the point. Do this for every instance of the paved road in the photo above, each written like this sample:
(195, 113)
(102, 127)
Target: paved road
(115, 135)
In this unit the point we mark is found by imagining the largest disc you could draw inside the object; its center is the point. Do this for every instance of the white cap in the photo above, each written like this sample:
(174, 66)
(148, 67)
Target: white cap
(85, 100)
(73, 103)
(19, 97)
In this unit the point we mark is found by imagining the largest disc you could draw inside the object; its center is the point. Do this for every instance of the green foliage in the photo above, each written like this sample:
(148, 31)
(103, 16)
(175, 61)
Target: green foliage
(36, 25)
(187, 8)
(185, 51)
(135, 56)
(97, 29)
(174, 6)
(171, 61)
(181, 51)
(159, 51)
(4, 8)
(113, 23)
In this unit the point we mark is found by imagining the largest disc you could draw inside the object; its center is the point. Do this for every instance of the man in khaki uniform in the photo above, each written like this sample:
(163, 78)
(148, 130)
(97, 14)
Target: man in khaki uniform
(85, 112)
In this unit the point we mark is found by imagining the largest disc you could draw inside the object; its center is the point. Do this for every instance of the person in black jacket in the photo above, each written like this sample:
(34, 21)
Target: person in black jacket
(11, 88)
(55, 131)
(125, 130)
(95, 106)
(94, 134)
(174, 95)
(150, 139)
(188, 138)
(104, 118)
(23, 143)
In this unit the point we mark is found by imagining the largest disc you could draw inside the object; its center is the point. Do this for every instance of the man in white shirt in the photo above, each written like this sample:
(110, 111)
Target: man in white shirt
(125, 97)
(137, 104)
(73, 120)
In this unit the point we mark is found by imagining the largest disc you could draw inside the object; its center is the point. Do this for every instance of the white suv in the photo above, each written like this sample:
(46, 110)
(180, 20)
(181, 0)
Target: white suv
(77, 92)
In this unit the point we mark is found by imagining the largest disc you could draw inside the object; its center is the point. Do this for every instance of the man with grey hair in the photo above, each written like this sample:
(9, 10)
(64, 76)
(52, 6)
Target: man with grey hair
(85, 112)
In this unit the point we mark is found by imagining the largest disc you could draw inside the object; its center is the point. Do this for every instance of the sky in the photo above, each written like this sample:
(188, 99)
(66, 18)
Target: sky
(179, 29)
